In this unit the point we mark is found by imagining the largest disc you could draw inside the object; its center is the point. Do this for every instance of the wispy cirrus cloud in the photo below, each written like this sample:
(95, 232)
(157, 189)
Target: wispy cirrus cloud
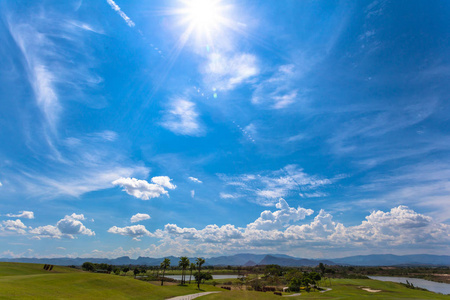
(182, 118)
(193, 179)
(279, 91)
(121, 13)
(50, 66)
(23, 214)
(267, 187)
(227, 71)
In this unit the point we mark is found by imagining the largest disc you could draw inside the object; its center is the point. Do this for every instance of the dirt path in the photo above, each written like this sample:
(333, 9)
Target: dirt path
(192, 296)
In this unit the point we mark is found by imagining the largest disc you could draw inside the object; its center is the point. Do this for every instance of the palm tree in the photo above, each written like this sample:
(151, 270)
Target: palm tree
(183, 263)
(199, 262)
(164, 265)
(191, 268)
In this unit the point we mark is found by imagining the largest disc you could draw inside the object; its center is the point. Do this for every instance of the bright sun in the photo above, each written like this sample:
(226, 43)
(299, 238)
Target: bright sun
(205, 18)
(203, 13)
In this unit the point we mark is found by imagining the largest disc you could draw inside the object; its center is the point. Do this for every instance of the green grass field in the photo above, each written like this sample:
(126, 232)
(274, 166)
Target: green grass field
(21, 281)
(31, 281)
(342, 289)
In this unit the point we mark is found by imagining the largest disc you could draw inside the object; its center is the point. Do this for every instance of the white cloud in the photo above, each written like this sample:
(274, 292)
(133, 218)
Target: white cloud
(313, 195)
(400, 229)
(71, 226)
(142, 189)
(1, 183)
(192, 193)
(227, 72)
(77, 217)
(121, 13)
(196, 180)
(139, 217)
(269, 186)
(281, 217)
(23, 214)
(182, 118)
(67, 227)
(48, 231)
(209, 234)
(278, 91)
(164, 181)
(228, 196)
(11, 225)
(135, 231)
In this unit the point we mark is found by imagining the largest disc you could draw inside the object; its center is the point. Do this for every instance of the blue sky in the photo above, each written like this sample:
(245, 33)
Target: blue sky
(153, 128)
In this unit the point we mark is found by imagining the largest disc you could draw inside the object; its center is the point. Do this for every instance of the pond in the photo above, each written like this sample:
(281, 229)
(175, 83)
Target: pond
(437, 287)
(222, 276)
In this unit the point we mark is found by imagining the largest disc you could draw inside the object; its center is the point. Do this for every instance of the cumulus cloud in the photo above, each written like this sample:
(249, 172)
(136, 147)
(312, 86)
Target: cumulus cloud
(139, 217)
(16, 226)
(182, 118)
(72, 226)
(226, 72)
(77, 217)
(164, 181)
(1, 183)
(48, 231)
(211, 233)
(278, 219)
(400, 225)
(282, 229)
(23, 214)
(68, 227)
(196, 180)
(121, 13)
(142, 189)
(135, 231)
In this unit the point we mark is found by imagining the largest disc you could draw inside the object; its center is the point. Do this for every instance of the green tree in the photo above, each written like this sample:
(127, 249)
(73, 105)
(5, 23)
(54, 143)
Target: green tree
(322, 269)
(88, 266)
(199, 262)
(164, 265)
(135, 272)
(191, 268)
(183, 263)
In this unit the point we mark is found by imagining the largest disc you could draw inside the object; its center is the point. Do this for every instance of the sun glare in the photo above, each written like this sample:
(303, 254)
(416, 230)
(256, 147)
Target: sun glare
(203, 13)
(205, 18)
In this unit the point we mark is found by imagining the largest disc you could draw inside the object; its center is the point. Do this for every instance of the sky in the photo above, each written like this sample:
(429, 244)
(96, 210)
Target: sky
(317, 129)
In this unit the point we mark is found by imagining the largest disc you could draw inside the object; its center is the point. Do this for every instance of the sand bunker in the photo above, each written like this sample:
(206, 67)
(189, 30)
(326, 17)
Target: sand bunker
(370, 290)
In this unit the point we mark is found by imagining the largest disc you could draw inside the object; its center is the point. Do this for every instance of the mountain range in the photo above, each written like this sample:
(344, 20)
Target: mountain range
(247, 259)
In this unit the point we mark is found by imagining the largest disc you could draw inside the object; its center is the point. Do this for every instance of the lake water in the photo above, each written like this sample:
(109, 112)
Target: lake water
(178, 277)
(437, 287)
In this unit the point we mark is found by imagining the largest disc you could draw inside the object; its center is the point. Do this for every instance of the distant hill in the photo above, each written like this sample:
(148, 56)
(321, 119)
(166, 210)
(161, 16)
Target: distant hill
(246, 259)
(394, 260)
(292, 262)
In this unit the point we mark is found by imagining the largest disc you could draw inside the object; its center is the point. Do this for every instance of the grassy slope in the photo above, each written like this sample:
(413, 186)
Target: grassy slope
(343, 289)
(31, 281)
